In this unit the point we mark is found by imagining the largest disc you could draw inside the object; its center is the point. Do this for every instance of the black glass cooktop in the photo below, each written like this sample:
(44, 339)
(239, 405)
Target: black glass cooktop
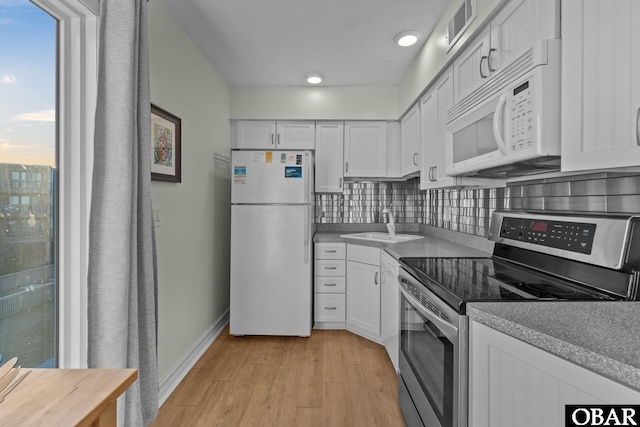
(461, 280)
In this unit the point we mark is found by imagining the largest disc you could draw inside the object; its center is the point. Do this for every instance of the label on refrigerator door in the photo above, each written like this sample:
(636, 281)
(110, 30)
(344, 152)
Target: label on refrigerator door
(290, 159)
(239, 174)
(292, 172)
(268, 157)
(258, 157)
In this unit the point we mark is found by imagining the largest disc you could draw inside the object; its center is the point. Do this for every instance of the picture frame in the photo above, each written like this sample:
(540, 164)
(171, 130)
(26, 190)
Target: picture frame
(166, 146)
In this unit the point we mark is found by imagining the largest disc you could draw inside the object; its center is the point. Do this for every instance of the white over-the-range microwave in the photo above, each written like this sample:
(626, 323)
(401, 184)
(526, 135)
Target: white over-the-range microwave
(509, 126)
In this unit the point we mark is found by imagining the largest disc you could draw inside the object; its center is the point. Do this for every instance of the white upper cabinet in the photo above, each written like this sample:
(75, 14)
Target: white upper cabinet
(272, 135)
(600, 84)
(410, 136)
(295, 135)
(365, 149)
(470, 67)
(258, 134)
(433, 115)
(329, 157)
(514, 29)
(518, 26)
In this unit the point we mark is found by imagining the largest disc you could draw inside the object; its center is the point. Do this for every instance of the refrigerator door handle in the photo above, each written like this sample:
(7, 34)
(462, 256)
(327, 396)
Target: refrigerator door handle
(307, 178)
(306, 235)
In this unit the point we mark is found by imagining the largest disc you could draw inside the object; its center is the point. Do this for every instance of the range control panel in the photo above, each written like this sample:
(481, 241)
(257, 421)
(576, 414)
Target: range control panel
(571, 236)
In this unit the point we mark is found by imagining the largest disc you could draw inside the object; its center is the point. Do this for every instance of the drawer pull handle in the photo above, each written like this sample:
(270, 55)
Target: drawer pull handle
(330, 251)
(331, 284)
(330, 268)
(331, 308)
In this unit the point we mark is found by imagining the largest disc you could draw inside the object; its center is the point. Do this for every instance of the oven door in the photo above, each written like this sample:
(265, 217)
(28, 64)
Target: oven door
(433, 357)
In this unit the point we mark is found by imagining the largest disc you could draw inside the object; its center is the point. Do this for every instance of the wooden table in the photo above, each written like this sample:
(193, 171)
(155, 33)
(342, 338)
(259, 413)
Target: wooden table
(66, 397)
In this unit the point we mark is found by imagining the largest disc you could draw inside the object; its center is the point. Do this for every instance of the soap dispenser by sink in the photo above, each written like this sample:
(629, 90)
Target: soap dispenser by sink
(391, 225)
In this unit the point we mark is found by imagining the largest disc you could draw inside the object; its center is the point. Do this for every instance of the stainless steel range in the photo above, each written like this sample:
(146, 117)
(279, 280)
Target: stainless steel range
(537, 257)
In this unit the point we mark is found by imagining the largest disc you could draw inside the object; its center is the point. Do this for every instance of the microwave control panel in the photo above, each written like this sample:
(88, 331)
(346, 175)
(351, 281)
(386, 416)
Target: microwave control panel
(521, 105)
(570, 236)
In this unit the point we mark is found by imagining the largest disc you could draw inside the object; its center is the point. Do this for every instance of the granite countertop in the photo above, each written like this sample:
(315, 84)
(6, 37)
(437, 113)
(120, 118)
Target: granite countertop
(600, 336)
(428, 246)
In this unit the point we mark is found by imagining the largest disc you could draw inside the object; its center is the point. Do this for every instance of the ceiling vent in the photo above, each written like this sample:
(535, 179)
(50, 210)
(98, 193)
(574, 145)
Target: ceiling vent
(460, 21)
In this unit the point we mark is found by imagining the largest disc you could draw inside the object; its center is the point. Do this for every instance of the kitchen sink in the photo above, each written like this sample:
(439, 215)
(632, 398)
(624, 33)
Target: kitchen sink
(382, 237)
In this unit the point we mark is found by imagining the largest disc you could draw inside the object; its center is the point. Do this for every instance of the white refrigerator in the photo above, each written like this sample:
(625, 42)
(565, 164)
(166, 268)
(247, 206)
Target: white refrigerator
(272, 225)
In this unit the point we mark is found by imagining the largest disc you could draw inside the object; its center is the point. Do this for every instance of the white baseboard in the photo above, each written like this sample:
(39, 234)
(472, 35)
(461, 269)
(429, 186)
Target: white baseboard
(180, 370)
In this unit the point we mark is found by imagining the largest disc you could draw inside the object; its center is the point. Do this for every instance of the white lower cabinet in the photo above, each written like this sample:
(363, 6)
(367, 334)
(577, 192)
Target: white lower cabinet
(513, 383)
(363, 291)
(390, 306)
(329, 285)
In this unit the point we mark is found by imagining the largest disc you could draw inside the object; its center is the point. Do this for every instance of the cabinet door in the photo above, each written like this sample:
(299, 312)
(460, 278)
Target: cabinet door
(363, 296)
(365, 149)
(470, 69)
(429, 142)
(410, 137)
(518, 26)
(329, 157)
(512, 383)
(600, 84)
(295, 135)
(255, 134)
(390, 307)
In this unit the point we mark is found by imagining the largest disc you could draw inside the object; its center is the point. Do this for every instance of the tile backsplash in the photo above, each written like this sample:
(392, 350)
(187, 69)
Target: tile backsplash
(469, 210)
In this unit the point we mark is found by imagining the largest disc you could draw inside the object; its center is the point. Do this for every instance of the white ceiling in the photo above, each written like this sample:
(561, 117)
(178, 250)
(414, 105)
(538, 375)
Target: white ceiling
(280, 42)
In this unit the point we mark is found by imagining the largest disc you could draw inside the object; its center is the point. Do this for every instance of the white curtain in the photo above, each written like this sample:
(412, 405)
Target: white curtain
(122, 264)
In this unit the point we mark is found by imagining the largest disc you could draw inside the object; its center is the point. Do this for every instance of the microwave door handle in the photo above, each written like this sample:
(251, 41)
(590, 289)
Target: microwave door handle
(498, 118)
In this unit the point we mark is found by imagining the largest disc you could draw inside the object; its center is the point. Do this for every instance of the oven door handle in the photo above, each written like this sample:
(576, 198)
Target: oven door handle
(450, 331)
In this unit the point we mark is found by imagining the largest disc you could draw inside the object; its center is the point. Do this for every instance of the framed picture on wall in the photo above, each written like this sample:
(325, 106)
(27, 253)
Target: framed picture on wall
(166, 147)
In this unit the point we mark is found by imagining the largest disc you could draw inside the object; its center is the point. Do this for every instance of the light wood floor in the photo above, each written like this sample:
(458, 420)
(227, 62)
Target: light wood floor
(332, 379)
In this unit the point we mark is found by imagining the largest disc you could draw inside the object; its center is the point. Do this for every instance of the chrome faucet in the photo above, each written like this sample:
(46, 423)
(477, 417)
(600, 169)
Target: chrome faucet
(391, 224)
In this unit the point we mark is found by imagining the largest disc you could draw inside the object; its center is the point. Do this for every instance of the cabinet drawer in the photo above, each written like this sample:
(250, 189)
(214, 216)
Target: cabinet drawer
(330, 250)
(364, 254)
(329, 307)
(331, 285)
(328, 267)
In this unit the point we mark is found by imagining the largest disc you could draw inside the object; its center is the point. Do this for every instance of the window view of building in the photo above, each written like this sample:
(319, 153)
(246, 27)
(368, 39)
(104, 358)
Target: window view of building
(27, 185)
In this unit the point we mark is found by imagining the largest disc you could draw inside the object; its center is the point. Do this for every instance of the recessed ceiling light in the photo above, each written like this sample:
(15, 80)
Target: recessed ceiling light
(314, 79)
(407, 38)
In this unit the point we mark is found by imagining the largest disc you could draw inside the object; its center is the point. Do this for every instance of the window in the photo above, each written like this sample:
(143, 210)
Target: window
(53, 199)
(28, 137)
